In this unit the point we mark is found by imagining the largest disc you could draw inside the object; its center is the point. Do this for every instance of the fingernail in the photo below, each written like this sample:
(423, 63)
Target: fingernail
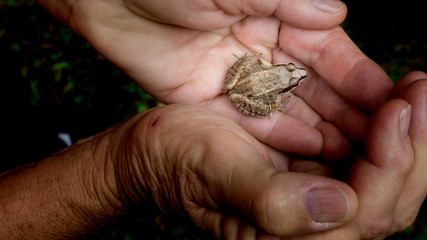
(327, 205)
(404, 120)
(328, 5)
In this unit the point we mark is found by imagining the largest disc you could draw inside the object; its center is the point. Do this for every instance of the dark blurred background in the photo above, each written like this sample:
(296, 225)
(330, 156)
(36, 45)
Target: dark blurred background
(53, 82)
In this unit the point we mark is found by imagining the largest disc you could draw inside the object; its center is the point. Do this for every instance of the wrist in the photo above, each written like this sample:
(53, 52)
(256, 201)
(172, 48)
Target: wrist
(113, 181)
(134, 180)
(66, 195)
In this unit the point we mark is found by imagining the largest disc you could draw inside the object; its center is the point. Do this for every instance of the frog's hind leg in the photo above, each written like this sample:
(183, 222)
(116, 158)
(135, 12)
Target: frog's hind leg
(250, 105)
(270, 115)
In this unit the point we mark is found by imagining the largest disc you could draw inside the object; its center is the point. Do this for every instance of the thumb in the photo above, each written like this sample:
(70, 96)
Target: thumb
(212, 165)
(284, 203)
(388, 161)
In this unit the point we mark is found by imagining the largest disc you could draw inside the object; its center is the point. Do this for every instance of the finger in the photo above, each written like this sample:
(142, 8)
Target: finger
(379, 179)
(234, 228)
(327, 102)
(340, 63)
(405, 81)
(259, 33)
(302, 13)
(311, 167)
(188, 14)
(220, 167)
(415, 189)
(334, 108)
(280, 131)
(279, 159)
(335, 145)
(293, 132)
(286, 203)
(308, 14)
(284, 163)
(311, 14)
(285, 133)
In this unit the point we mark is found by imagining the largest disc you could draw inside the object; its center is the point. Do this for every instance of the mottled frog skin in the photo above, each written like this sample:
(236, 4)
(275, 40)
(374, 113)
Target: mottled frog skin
(258, 89)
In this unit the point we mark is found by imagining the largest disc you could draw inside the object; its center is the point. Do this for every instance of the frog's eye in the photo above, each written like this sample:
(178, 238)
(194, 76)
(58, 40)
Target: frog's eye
(291, 67)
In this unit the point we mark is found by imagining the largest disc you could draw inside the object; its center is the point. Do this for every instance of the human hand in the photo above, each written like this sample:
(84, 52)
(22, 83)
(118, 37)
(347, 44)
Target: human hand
(204, 166)
(180, 52)
(230, 169)
(197, 163)
(389, 179)
(183, 158)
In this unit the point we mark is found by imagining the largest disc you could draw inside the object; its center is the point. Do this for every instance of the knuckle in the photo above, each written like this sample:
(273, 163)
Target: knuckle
(377, 227)
(405, 166)
(403, 223)
(265, 214)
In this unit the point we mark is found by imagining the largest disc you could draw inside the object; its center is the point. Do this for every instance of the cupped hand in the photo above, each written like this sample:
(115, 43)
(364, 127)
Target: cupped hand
(182, 56)
(389, 179)
(194, 162)
(179, 51)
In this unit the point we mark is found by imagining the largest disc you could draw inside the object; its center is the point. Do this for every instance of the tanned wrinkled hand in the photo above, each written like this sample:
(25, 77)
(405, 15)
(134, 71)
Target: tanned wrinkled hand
(192, 161)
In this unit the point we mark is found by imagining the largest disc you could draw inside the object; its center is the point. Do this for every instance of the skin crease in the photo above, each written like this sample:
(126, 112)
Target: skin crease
(197, 54)
(134, 154)
(197, 59)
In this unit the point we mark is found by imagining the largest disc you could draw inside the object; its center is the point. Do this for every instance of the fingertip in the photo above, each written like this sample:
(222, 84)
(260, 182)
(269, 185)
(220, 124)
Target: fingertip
(327, 204)
(234, 228)
(312, 14)
(336, 146)
(414, 92)
(386, 144)
(393, 116)
(296, 203)
(403, 83)
(329, 6)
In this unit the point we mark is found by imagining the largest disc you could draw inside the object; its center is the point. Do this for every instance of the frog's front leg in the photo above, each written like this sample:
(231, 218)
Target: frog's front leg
(258, 106)
(281, 101)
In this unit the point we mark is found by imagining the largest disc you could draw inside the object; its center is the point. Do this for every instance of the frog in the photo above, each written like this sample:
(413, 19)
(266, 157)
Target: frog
(261, 88)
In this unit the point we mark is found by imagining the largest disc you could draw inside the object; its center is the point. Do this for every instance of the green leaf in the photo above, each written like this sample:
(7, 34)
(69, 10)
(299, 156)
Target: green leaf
(12, 3)
(66, 34)
(61, 65)
(15, 47)
(37, 63)
(78, 99)
(35, 91)
(55, 56)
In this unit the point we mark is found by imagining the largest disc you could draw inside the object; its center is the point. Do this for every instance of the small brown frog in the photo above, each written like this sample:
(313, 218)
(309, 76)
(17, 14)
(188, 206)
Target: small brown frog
(258, 89)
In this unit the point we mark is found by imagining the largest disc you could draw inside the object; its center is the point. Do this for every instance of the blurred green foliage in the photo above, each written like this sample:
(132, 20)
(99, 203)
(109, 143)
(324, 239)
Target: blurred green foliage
(53, 81)
(60, 67)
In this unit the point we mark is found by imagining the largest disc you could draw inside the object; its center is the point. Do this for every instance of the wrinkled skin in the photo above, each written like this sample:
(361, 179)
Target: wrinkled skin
(246, 180)
(182, 56)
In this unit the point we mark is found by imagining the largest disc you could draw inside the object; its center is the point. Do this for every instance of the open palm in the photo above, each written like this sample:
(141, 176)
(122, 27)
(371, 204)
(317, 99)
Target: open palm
(179, 51)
